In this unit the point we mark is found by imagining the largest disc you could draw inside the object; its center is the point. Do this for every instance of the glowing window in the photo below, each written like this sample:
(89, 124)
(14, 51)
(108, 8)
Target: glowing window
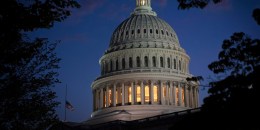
(105, 99)
(138, 94)
(147, 95)
(182, 95)
(164, 91)
(129, 94)
(177, 95)
(110, 97)
(155, 93)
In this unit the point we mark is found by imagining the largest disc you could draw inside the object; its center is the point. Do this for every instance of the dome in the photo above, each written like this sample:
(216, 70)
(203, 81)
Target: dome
(141, 28)
(143, 72)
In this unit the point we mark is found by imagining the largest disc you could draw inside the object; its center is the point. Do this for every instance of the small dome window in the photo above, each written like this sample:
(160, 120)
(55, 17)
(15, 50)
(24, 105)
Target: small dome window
(151, 31)
(138, 31)
(127, 33)
(157, 31)
(162, 32)
(133, 32)
(167, 33)
(154, 61)
(144, 30)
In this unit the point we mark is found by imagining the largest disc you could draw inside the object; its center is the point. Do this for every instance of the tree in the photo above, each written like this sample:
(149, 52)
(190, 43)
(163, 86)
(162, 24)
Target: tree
(28, 68)
(232, 100)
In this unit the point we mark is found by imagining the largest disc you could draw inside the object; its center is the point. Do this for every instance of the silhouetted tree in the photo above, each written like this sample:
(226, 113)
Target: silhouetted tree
(233, 100)
(28, 68)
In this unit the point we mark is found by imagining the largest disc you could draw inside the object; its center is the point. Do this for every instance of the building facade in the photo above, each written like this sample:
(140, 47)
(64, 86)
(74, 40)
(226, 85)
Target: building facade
(143, 72)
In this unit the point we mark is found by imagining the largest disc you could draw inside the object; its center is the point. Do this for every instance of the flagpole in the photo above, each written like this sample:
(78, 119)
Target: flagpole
(65, 118)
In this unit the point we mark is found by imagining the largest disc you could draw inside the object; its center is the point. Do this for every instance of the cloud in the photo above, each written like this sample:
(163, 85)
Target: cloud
(161, 3)
(89, 6)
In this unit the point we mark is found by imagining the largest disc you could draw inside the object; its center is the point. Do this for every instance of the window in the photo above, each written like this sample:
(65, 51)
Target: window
(106, 69)
(167, 33)
(116, 64)
(161, 61)
(138, 94)
(177, 95)
(154, 61)
(133, 32)
(105, 98)
(151, 31)
(174, 63)
(169, 62)
(155, 93)
(157, 31)
(126, 33)
(130, 62)
(138, 62)
(138, 31)
(146, 61)
(110, 97)
(182, 95)
(162, 32)
(146, 93)
(123, 63)
(111, 65)
(179, 65)
(129, 94)
(144, 30)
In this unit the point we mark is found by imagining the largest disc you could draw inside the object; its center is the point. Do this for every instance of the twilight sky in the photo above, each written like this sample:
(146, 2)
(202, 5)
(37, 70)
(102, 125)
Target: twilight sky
(86, 34)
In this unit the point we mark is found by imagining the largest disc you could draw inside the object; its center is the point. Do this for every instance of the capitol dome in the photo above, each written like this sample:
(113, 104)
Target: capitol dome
(143, 71)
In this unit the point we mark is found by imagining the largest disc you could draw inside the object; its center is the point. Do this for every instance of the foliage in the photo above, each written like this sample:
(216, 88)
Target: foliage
(235, 96)
(187, 4)
(256, 15)
(28, 68)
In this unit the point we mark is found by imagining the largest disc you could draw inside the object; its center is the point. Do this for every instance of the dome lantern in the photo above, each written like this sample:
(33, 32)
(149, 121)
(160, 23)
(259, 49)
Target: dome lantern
(143, 7)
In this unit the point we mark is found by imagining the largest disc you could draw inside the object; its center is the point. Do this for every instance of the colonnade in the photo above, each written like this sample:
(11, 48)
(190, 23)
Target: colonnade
(145, 93)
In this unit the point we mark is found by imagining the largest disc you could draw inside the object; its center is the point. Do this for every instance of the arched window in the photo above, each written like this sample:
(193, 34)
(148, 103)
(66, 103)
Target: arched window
(138, 63)
(116, 64)
(146, 61)
(138, 93)
(123, 63)
(106, 67)
(154, 61)
(111, 65)
(130, 62)
(155, 93)
(169, 62)
(179, 65)
(174, 63)
(161, 61)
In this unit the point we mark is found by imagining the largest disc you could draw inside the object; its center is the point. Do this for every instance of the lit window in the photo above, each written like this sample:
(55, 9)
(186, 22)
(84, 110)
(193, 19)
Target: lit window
(182, 95)
(147, 95)
(138, 94)
(155, 93)
(110, 97)
(129, 94)
(105, 99)
(176, 95)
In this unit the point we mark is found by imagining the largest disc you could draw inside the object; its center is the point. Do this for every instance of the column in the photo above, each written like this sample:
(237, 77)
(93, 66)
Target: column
(142, 92)
(101, 98)
(186, 96)
(152, 96)
(167, 94)
(123, 94)
(107, 97)
(114, 95)
(174, 94)
(161, 93)
(170, 97)
(191, 97)
(132, 93)
(179, 88)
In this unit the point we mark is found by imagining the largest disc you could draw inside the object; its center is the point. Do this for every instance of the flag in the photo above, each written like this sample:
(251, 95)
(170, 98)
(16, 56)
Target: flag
(69, 106)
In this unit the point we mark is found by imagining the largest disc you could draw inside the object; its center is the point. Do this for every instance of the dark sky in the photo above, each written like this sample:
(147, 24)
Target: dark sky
(86, 34)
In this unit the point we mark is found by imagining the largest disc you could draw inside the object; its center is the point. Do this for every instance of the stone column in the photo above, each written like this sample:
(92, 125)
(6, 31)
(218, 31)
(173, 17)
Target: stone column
(142, 92)
(174, 94)
(171, 95)
(186, 96)
(180, 94)
(101, 98)
(107, 97)
(167, 94)
(161, 94)
(114, 95)
(132, 93)
(152, 93)
(123, 94)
